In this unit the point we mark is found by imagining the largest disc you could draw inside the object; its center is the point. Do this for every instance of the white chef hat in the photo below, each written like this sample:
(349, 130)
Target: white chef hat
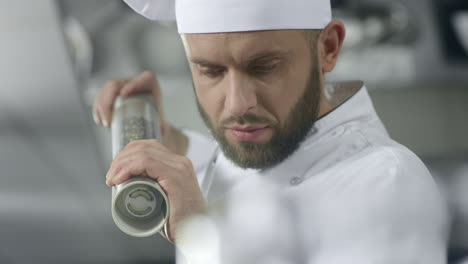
(210, 16)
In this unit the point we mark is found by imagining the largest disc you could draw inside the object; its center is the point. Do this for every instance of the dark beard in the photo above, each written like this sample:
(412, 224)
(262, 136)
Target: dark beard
(285, 140)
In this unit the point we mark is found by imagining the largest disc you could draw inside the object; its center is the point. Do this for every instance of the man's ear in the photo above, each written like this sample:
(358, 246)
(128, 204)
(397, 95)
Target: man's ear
(330, 43)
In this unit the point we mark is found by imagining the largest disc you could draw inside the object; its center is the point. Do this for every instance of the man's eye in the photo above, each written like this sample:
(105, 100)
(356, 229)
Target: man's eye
(264, 68)
(211, 72)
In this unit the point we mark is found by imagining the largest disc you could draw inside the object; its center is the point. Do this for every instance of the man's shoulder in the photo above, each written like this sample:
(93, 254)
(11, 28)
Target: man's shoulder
(390, 165)
(392, 159)
(373, 151)
(379, 201)
(397, 181)
(376, 167)
(385, 180)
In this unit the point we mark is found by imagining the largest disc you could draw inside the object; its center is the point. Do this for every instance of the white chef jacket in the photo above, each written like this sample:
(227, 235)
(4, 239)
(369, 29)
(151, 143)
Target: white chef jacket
(349, 194)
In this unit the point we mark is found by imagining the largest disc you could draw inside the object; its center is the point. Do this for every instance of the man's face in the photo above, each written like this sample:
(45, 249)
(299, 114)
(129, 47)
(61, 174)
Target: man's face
(258, 92)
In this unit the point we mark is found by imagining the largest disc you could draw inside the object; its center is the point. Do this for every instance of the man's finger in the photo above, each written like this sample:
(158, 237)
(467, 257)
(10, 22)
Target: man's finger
(135, 150)
(96, 117)
(143, 83)
(141, 150)
(135, 167)
(106, 99)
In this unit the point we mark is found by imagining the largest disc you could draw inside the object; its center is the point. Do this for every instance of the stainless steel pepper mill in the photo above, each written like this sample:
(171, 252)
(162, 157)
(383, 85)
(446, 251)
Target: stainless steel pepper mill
(140, 207)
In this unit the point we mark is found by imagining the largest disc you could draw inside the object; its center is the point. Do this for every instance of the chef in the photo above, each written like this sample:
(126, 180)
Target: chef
(298, 171)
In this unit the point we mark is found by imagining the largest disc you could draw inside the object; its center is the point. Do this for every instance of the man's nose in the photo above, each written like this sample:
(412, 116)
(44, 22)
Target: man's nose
(240, 95)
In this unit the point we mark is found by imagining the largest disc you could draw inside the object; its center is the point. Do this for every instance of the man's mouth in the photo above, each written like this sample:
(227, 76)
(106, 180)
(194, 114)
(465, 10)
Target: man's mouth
(248, 133)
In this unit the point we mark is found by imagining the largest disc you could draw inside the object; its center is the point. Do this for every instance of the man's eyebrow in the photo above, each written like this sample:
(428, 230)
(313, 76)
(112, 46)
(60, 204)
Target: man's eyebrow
(204, 62)
(265, 55)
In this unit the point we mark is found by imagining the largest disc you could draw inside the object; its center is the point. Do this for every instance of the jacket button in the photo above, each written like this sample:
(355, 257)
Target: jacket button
(296, 181)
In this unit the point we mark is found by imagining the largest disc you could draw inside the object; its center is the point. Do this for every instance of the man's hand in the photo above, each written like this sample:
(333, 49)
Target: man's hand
(173, 172)
(143, 83)
(161, 160)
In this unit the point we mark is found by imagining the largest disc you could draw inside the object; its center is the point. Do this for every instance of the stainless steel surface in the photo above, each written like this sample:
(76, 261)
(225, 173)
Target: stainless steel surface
(399, 49)
(460, 21)
(139, 205)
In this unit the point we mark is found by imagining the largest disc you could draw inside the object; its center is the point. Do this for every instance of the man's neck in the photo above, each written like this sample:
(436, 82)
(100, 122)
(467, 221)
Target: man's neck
(325, 106)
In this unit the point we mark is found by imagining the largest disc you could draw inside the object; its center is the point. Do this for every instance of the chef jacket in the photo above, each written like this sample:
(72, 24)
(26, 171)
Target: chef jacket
(348, 194)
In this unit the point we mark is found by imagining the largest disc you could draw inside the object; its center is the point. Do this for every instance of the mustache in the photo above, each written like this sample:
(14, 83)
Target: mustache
(245, 119)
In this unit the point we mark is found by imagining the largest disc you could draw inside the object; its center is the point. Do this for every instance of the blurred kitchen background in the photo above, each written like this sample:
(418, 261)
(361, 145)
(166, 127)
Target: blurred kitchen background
(55, 54)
